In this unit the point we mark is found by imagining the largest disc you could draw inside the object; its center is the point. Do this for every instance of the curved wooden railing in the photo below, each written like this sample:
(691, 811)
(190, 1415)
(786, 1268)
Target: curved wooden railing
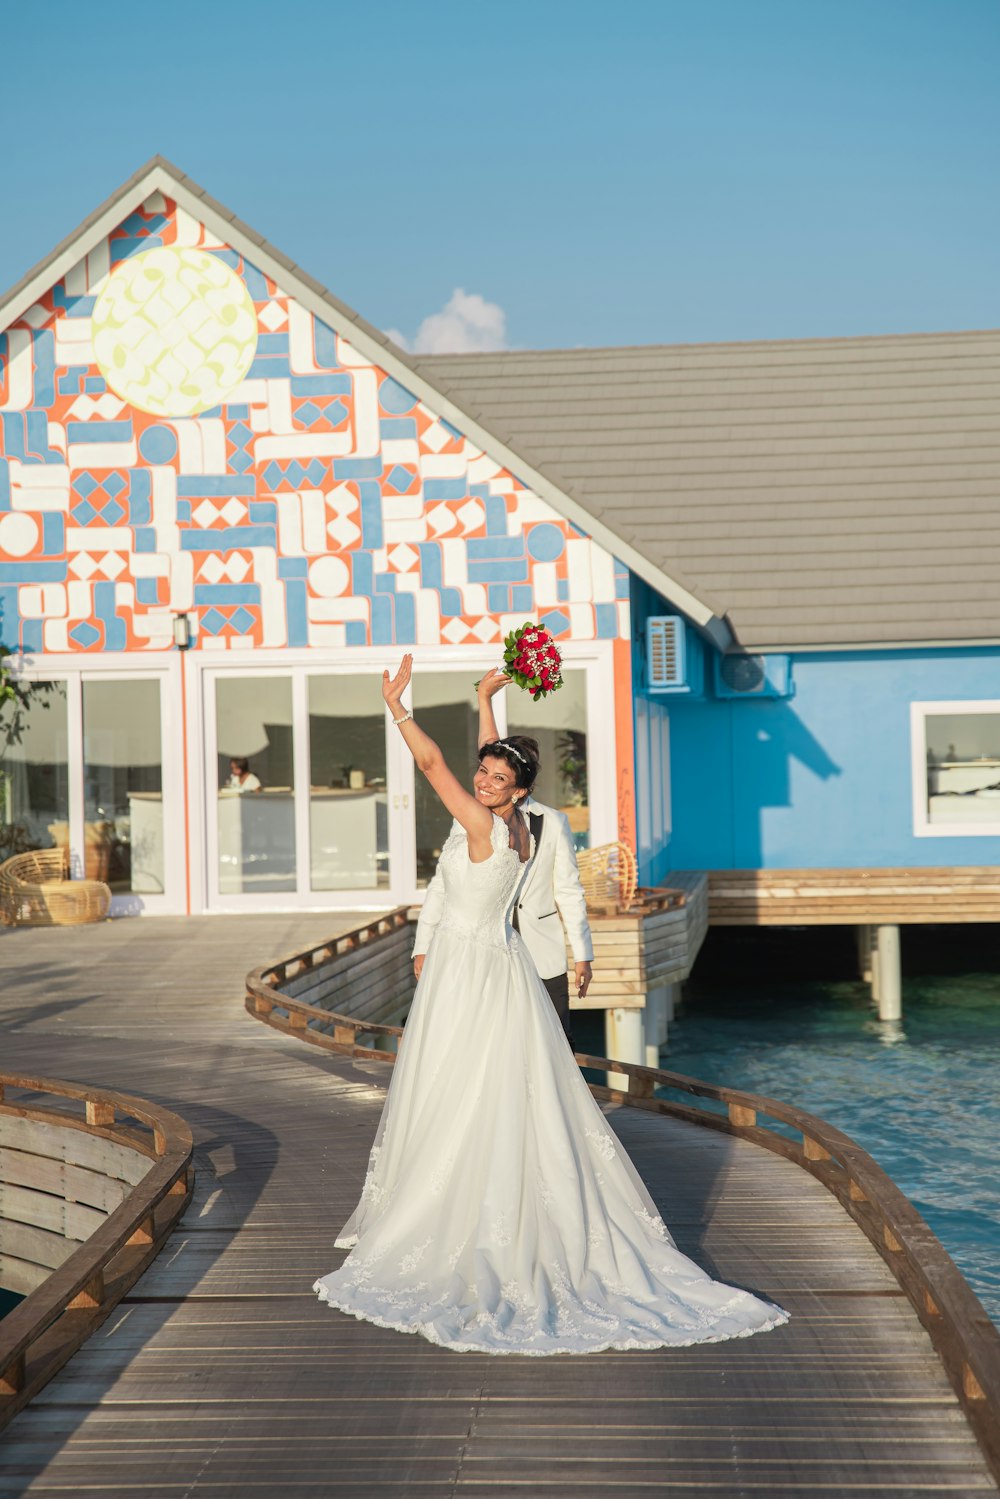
(322, 1027)
(41, 1333)
(965, 1339)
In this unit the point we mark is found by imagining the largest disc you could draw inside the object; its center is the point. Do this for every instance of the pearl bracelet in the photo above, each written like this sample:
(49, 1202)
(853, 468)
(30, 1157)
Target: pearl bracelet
(398, 721)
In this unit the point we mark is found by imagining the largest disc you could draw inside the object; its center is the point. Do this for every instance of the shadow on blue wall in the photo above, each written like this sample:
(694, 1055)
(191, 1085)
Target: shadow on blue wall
(734, 761)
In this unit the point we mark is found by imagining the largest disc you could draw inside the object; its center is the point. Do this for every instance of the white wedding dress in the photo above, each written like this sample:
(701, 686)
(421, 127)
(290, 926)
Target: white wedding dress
(500, 1213)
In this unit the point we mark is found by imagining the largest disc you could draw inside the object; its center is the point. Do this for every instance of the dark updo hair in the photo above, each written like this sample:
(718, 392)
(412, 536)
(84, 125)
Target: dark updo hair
(517, 751)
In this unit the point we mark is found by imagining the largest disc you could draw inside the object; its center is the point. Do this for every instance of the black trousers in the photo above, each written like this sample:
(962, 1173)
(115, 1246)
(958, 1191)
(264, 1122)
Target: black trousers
(558, 991)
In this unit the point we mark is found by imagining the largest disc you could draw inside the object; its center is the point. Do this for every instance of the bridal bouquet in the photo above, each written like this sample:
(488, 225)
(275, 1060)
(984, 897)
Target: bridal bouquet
(532, 660)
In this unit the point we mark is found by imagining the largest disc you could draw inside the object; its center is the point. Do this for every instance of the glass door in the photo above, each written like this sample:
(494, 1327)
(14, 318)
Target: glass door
(444, 703)
(349, 846)
(34, 771)
(312, 796)
(123, 785)
(93, 767)
(576, 746)
(300, 810)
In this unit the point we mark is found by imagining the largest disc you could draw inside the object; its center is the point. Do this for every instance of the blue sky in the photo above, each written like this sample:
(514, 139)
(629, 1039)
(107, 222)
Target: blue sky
(642, 172)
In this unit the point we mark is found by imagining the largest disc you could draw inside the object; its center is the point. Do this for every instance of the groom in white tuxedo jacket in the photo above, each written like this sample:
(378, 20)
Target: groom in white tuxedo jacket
(550, 907)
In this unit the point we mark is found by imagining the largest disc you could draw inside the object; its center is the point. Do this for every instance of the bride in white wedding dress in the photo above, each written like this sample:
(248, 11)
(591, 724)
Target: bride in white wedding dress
(500, 1214)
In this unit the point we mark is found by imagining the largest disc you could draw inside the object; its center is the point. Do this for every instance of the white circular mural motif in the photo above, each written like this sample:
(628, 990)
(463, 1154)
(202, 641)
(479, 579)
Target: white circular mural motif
(174, 331)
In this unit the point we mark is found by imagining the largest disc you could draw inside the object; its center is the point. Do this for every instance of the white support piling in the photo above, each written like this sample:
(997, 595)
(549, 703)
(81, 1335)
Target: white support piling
(890, 973)
(864, 934)
(654, 1023)
(624, 1041)
(873, 977)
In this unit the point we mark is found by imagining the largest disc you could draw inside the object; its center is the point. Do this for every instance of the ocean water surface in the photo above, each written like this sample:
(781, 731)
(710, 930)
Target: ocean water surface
(922, 1097)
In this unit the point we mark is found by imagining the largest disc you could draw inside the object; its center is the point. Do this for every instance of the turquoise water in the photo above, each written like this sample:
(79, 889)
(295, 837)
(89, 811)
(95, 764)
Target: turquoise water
(922, 1098)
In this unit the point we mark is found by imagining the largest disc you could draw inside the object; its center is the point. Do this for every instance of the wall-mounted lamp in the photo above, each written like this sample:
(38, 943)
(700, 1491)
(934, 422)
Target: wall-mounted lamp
(182, 632)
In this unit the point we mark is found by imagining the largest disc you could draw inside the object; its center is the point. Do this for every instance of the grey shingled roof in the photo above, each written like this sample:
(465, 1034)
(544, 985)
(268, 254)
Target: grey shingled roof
(823, 491)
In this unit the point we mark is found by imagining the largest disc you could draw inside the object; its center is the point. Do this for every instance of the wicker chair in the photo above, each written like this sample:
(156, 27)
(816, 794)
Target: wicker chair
(609, 876)
(35, 891)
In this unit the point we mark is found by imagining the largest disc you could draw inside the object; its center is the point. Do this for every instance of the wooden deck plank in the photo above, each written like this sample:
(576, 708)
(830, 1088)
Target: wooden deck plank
(221, 1375)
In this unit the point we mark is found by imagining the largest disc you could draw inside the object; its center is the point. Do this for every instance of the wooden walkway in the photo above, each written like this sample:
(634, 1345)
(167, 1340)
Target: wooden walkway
(220, 1375)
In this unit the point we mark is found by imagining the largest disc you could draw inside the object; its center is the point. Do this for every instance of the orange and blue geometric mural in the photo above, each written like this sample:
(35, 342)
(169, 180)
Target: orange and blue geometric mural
(177, 434)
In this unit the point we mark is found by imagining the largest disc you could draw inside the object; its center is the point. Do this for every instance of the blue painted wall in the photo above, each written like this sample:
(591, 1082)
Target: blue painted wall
(823, 778)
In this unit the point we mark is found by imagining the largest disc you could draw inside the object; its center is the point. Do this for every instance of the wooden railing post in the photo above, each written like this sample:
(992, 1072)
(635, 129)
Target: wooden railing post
(90, 1295)
(12, 1378)
(144, 1233)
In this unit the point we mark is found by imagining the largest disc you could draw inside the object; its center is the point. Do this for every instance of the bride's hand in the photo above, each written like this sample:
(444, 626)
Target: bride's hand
(392, 689)
(493, 682)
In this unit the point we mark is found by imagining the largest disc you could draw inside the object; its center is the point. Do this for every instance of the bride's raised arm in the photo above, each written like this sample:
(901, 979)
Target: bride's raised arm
(476, 819)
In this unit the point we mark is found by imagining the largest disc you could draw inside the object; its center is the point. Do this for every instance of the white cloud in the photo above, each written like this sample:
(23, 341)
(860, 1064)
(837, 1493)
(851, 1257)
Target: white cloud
(466, 324)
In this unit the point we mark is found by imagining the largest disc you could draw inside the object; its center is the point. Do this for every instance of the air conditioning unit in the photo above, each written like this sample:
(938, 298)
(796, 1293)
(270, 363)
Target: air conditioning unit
(740, 674)
(674, 658)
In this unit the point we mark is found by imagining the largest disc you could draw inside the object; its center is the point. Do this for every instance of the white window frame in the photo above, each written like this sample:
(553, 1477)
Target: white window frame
(596, 657)
(919, 713)
(74, 669)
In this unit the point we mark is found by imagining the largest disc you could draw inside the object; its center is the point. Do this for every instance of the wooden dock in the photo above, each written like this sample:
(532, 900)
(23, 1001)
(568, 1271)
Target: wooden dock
(219, 1374)
(852, 897)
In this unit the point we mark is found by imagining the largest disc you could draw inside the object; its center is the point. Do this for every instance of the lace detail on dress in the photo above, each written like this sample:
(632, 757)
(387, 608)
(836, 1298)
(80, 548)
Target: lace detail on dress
(500, 1230)
(371, 1192)
(652, 1221)
(603, 1142)
(479, 895)
(411, 1261)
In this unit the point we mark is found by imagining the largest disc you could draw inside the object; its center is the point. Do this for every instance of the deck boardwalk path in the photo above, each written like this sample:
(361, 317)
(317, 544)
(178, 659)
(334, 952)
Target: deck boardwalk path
(220, 1375)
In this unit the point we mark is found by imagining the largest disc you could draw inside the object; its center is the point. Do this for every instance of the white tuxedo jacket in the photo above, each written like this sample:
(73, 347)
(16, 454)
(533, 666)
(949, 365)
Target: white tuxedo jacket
(550, 890)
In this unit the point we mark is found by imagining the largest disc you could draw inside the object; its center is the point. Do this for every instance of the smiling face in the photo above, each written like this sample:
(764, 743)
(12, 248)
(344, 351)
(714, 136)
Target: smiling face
(495, 785)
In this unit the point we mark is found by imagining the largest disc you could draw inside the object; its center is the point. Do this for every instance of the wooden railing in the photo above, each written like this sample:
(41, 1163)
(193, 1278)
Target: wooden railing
(41, 1333)
(331, 1029)
(965, 1339)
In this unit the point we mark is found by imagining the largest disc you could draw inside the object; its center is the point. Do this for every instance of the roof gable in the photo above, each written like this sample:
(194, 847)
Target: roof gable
(159, 177)
(180, 434)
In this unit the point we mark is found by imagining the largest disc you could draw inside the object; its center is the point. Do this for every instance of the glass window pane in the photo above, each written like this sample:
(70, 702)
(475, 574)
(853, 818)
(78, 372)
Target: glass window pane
(123, 785)
(559, 723)
(963, 768)
(445, 704)
(256, 810)
(34, 780)
(348, 805)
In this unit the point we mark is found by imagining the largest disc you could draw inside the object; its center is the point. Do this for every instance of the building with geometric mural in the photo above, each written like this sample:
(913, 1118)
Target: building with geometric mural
(227, 502)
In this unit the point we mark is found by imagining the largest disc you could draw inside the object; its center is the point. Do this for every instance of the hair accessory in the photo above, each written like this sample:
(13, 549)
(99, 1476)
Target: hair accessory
(514, 751)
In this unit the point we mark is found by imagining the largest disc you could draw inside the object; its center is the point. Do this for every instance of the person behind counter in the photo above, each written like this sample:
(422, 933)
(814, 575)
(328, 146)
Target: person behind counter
(241, 777)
